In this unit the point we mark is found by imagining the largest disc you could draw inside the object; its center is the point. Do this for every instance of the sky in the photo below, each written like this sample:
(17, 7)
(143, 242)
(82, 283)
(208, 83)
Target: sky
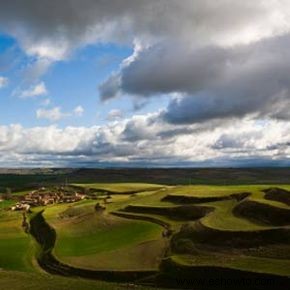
(161, 83)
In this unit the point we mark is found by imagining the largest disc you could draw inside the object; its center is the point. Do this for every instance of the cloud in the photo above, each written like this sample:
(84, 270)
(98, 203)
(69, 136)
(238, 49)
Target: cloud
(78, 111)
(111, 88)
(34, 91)
(167, 68)
(114, 115)
(250, 81)
(211, 82)
(3, 82)
(202, 49)
(54, 114)
(52, 31)
(224, 66)
(122, 143)
(143, 127)
(36, 69)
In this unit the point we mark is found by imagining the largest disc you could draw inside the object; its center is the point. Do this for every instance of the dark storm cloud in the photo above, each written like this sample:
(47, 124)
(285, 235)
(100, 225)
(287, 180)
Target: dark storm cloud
(176, 69)
(213, 82)
(110, 88)
(54, 28)
(72, 18)
(252, 80)
(140, 128)
(172, 133)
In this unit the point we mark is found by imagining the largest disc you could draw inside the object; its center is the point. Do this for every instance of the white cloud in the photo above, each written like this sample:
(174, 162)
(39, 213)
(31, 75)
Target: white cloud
(78, 111)
(144, 140)
(47, 50)
(3, 82)
(34, 91)
(54, 114)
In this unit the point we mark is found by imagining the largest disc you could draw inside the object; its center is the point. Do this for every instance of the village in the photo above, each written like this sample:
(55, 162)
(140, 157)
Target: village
(46, 196)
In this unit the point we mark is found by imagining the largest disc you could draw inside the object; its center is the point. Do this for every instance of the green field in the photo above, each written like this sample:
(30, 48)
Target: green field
(122, 187)
(212, 226)
(16, 247)
(105, 234)
(34, 281)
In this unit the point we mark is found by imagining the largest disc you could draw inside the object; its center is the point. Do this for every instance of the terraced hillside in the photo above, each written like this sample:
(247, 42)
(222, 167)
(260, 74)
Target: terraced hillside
(232, 232)
(19, 252)
(201, 237)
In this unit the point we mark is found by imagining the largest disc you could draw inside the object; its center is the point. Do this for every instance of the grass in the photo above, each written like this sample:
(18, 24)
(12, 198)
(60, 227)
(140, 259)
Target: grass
(102, 241)
(207, 190)
(121, 187)
(6, 204)
(83, 234)
(221, 190)
(240, 262)
(223, 219)
(16, 254)
(140, 256)
(16, 247)
(117, 234)
(32, 281)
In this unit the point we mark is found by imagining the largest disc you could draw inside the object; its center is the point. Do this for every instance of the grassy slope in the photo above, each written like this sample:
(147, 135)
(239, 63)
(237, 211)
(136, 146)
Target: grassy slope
(125, 239)
(241, 262)
(142, 256)
(219, 190)
(121, 187)
(31, 281)
(85, 237)
(223, 219)
(116, 235)
(16, 247)
(19, 270)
